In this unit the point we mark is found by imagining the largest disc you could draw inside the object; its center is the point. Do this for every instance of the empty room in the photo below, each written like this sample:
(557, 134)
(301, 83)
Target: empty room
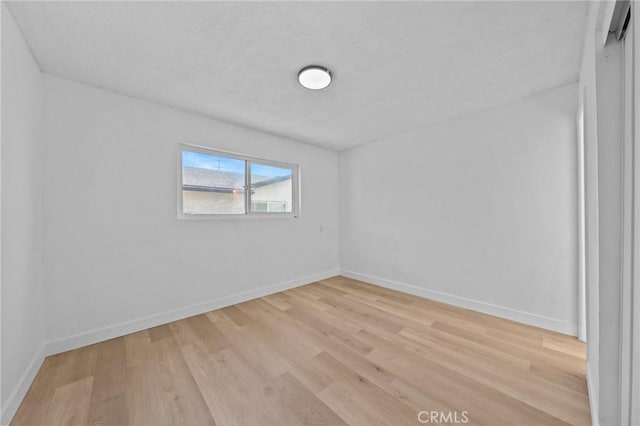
(320, 213)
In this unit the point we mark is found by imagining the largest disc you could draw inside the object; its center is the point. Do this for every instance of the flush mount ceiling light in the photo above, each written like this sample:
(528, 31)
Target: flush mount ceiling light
(314, 77)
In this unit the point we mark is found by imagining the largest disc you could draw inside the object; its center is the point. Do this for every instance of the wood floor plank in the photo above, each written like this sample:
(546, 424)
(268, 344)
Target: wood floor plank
(364, 314)
(162, 390)
(434, 337)
(109, 392)
(334, 352)
(280, 328)
(159, 333)
(225, 395)
(112, 411)
(577, 382)
(234, 392)
(74, 365)
(280, 300)
(315, 323)
(198, 328)
(562, 345)
(308, 409)
(342, 402)
(304, 299)
(138, 347)
(543, 355)
(417, 398)
(265, 360)
(298, 353)
(401, 314)
(236, 315)
(70, 404)
(365, 392)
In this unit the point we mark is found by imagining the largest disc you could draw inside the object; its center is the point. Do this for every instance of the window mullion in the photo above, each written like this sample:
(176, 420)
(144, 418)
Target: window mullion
(247, 191)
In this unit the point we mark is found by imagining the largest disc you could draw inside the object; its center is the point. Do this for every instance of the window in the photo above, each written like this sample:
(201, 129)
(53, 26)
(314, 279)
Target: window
(216, 183)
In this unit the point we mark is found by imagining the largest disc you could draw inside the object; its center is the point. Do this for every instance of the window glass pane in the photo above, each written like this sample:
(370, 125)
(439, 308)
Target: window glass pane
(259, 206)
(271, 189)
(212, 184)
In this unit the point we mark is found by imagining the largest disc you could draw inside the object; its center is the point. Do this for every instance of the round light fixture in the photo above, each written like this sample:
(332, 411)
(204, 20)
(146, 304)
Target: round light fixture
(314, 77)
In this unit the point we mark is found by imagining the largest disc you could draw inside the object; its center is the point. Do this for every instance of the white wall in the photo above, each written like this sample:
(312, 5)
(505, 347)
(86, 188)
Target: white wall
(115, 251)
(478, 211)
(22, 284)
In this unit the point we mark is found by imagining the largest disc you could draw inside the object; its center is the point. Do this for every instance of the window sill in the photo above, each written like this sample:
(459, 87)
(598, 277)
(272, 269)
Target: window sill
(258, 216)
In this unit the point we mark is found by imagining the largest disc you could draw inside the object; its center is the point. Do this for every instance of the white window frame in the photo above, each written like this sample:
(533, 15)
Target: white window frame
(248, 160)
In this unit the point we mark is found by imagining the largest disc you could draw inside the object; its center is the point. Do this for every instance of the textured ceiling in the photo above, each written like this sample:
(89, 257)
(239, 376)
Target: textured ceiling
(396, 65)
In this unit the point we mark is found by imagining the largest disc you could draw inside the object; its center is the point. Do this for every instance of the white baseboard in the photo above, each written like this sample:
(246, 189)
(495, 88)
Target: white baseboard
(593, 403)
(117, 330)
(474, 305)
(12, 403)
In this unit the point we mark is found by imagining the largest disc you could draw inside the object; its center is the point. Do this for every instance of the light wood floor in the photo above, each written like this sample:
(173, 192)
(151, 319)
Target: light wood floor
(334, 352)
